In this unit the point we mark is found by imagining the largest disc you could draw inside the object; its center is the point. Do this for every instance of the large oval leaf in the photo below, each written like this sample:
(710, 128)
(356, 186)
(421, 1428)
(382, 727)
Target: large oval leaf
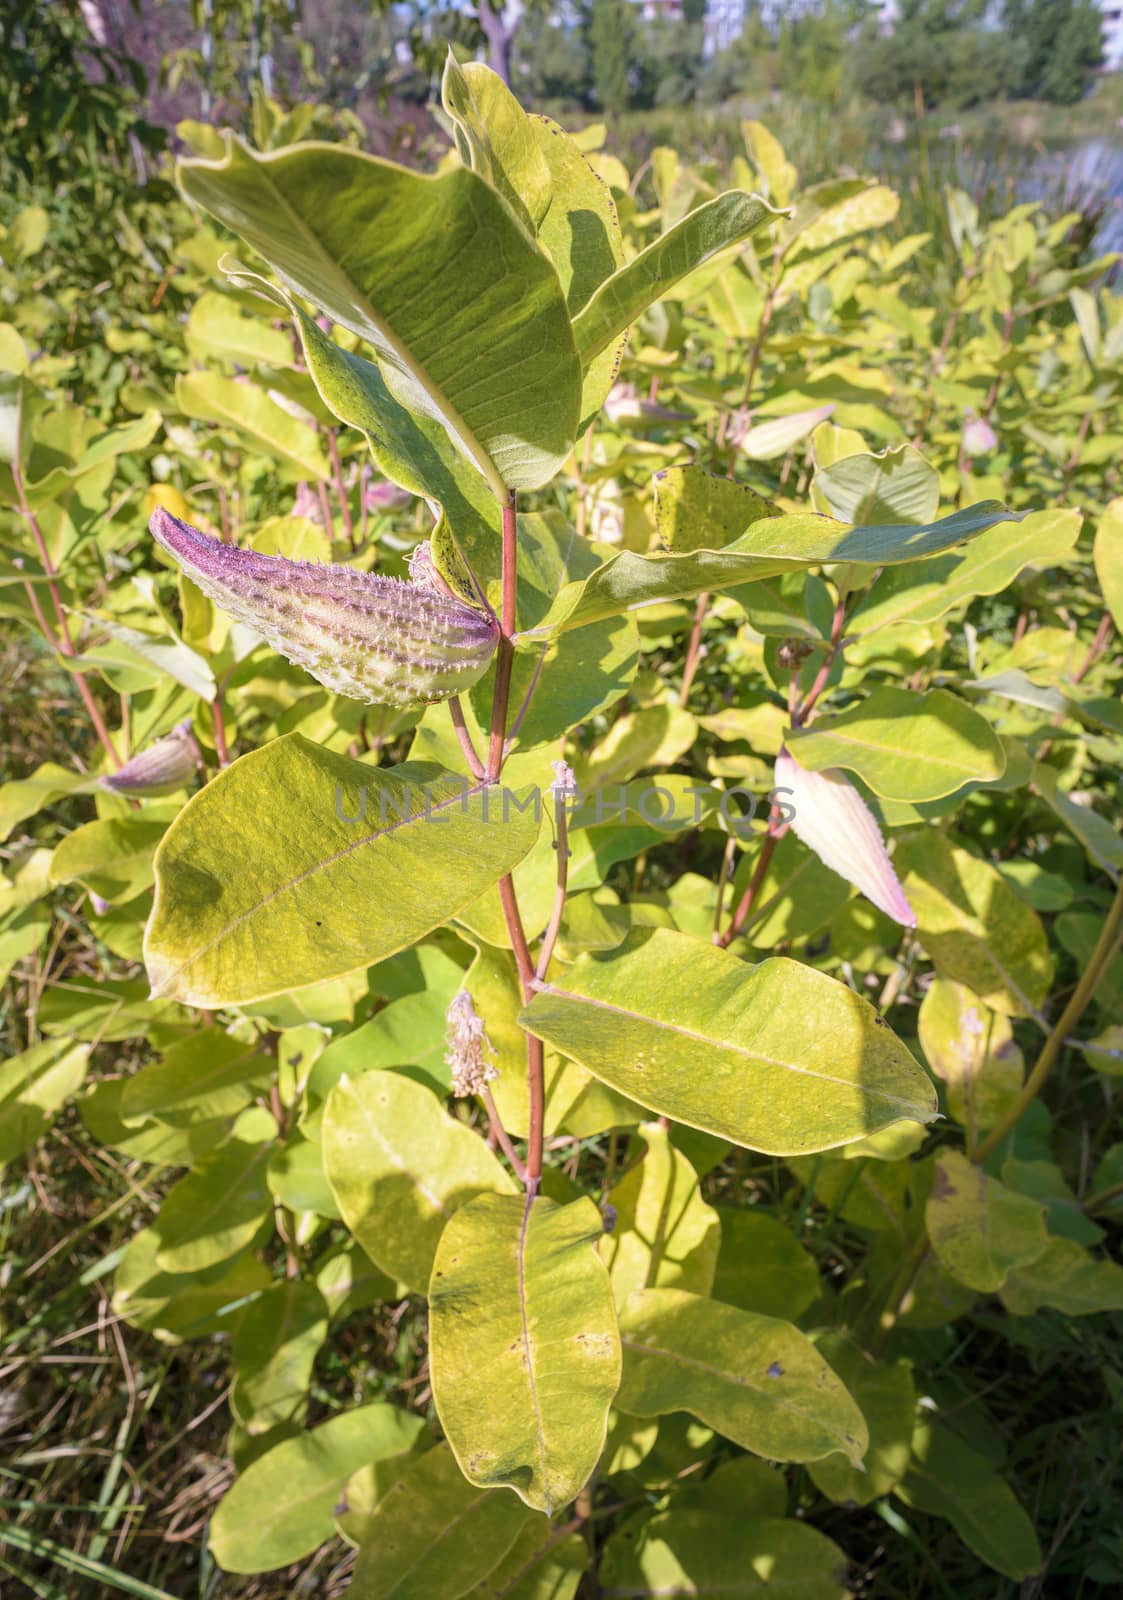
(281, 1507)
(776, 1057)
(465, 312)
(755, 1379)
(399, 1167)
(297, 864)
(434, 1535)
(519, 1294)
(905, 746)
(703, 1552)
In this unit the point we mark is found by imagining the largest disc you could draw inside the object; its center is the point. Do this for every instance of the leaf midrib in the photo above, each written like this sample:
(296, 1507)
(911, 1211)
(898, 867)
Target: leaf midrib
(725, 1044)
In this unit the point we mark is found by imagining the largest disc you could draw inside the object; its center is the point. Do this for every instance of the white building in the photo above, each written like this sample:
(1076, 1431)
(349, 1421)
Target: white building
(1112, 34)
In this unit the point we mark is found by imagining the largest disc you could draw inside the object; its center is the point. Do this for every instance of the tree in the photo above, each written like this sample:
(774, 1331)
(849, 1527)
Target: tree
(1063, 45)
(611, 35)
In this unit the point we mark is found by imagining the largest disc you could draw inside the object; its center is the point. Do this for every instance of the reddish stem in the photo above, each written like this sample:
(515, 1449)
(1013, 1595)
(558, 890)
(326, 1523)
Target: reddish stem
(505, 659)
(219, 732)
(464, 738)
(745, 905)
(693, 648)
(803, 711)
(62, 642)
(340, 488)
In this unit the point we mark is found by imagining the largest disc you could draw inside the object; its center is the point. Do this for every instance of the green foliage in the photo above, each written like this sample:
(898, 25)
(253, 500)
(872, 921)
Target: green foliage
(529, 1112)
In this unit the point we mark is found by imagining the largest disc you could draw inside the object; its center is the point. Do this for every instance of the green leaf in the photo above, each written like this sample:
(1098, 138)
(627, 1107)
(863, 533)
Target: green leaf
(33, 1085)
(273, 1353)
(434, 1535)
(702, 1552)
(696, 511)
(544, 1563)
(281, 1507)
(183, 1305)
(1065, 1277)
(975, 926)
(887, 1398)
(216, 1209)
(979, 1228)
(949, 1479)
(414, 451)
(209, 1074)
(972, 1049)
(217, 330)
(755, 1379)
(581, 235)
(210, 397)
(486, 350)
(905, 746)
(775, 1057)
(772, 544)
(762, 1266)
(27, 796)
(520, 1294)
(111, 857)
(297, 864)
(1102, 843)
(705, 233)
(399, 1167)
(1108, 557)
(896, 486)
(496, 138)
(923, 593)
(665, 1235)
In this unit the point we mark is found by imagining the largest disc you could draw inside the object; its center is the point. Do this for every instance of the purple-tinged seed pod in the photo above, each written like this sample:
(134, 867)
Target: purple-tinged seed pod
(369, 637)
(163, 768)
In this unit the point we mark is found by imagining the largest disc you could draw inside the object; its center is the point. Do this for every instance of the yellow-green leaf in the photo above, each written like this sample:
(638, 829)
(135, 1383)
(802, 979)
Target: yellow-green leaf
(979, 1228)
(975, 926)
(775, 1057)
(972, 1049)
(755, 1379)
(297, 864)
(949, 1479)
(905, 746)
(887, 1398)
(433, 1535)
(665, 1235)
(280, 1508)
(523, 1346)
(399, 1167)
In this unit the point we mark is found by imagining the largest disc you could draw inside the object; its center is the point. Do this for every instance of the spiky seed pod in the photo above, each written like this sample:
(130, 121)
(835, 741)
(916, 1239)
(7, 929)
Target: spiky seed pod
(369, 637)
(163, 768)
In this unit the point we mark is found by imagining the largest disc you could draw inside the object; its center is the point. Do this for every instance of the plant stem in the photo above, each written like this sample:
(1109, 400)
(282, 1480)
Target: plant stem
(1097, 1202)
(741, 914)
(807, 705)
(62, 642)
(690, 665)
(340, 488)
(460, 727)
(503, 1138)
(1106, 948)
(1096, 648)
(220, 732)
(505, 659)
(550, 938)
(535, 1055)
